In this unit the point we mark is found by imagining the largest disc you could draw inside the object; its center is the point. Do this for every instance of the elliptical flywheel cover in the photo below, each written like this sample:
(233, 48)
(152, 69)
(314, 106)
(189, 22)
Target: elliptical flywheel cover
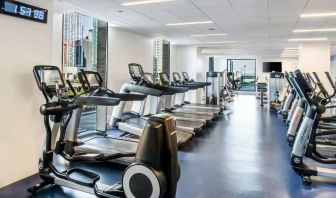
(140, 181)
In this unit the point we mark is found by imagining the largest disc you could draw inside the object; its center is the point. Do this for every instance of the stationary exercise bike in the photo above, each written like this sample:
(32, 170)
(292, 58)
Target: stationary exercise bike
(154, 172)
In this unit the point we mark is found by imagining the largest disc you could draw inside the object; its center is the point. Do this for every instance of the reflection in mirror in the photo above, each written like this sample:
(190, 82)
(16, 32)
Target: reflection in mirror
(50, 77)
(84, 47)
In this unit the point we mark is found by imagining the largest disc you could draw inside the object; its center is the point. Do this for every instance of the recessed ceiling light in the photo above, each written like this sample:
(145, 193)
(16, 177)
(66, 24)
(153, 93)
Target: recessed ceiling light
(315, 30)
(189, 23)
(318, 15)
(307, 39)
(204, 35)
(220, 42)
(144, 2)
(221, 51)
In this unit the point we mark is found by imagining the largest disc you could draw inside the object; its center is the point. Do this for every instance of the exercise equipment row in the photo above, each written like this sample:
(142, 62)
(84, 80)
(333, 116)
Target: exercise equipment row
(311, 128)
(147, 144)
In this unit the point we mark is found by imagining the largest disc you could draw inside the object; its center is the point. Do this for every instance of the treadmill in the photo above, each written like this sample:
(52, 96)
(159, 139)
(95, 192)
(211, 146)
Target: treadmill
(96, 146)
(133, 121)
(186, 79)
(178, 80)
(93, 80)
(169, 102)
(181, 122)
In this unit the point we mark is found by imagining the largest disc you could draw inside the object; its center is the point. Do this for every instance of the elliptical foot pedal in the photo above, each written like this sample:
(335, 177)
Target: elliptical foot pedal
(82, 177)
(306, 180)
(35, 189)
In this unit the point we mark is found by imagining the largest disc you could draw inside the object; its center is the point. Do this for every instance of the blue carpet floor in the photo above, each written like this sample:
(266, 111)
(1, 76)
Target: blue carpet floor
(243, 155)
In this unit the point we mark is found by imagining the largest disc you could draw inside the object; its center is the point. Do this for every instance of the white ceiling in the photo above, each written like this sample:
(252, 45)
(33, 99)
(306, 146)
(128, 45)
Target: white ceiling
(259, 27)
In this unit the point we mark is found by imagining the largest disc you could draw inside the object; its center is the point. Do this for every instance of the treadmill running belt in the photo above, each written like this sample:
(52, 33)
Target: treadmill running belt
(137, 122)
(196, 125)
(192, 116)
(109, 145)
(196, 110)
(183, 138)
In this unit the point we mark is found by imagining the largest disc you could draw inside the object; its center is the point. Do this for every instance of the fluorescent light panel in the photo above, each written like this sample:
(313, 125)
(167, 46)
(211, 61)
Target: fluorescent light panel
(307, 39)
(318, 15)
(289, 56)
(206, 35)
(144, 2)
(315, 30)
(221, 42)
(291, 48)
(189, 23)
(290, 52)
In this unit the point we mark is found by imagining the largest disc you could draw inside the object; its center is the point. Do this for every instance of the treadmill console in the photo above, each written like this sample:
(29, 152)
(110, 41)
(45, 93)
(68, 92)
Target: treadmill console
(135, 71)
(90, 79)
(164, 78)
(185, 76)
(177, 77)
(149, 77)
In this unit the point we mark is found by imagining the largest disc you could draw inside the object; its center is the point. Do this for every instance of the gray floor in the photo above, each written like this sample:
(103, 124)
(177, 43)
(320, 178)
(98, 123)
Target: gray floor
(243, 155)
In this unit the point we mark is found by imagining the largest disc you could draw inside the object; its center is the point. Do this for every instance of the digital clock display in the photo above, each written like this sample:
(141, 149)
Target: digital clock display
(22, 10)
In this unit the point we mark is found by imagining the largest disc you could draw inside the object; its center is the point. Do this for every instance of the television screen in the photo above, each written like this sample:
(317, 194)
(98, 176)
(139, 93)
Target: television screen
(272, 67)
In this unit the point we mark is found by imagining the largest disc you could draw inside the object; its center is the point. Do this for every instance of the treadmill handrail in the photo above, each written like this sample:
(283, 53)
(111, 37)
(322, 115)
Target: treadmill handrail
(97, 100)
(167, 89)
(128, 87)
(103, 91)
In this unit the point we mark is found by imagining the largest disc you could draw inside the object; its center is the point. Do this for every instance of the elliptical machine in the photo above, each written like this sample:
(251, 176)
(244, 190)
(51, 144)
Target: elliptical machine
(306, 143)
(154, 172)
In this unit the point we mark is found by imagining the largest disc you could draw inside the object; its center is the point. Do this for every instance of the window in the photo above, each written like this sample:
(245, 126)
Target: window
(161, 55)
(243, 73)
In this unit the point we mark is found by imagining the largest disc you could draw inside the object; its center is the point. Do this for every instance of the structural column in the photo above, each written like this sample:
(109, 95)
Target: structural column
(315, 57)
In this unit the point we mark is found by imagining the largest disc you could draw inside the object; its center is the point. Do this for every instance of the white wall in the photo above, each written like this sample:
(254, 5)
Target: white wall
(192, 60)
(57, 38)
(184, 58)
(23, 44)
(124, 48)
(288, 64)
(315, 57)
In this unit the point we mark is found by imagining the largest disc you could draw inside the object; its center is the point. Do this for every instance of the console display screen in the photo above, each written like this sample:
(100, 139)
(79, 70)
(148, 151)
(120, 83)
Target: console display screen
(164, 78)
(149, 77)
(92, 80)
(176, 76)
(136, 71)
(50, 77)
(22, 10)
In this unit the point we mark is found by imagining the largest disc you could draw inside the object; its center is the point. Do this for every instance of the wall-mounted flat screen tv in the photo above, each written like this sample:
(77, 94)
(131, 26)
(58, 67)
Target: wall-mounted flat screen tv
(272, 67)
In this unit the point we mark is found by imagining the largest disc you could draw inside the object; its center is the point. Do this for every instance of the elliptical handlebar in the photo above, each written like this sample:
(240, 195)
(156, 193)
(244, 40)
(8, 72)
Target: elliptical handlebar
(330, 80)
(332, 85)
(316, 76)
(311, 80)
